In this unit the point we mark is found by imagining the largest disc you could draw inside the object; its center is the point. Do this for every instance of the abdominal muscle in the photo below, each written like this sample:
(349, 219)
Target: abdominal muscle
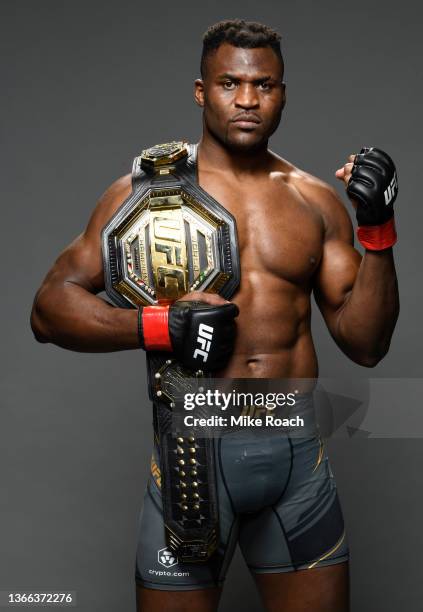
(298, 362)
(273, 332)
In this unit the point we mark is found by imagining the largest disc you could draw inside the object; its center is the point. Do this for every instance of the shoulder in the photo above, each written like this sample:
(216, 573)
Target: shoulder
(122, 187)
(109, 202)
(321, 197)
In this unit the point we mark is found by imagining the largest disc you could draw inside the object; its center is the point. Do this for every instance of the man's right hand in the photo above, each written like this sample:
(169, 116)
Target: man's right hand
(199, 329)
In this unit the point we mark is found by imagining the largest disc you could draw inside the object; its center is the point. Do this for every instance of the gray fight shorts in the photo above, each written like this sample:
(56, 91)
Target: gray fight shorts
(277, 498)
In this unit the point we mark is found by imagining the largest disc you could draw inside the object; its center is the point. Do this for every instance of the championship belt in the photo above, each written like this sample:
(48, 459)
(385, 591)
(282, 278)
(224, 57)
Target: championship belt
(168, 238)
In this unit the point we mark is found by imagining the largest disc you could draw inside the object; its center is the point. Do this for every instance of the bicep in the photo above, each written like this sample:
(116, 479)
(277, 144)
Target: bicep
(337, 271)
(335, 277)
(340, 261)
(81, 262)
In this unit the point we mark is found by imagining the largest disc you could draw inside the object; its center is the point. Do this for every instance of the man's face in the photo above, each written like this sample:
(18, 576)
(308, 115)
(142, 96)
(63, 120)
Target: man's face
(242, 95)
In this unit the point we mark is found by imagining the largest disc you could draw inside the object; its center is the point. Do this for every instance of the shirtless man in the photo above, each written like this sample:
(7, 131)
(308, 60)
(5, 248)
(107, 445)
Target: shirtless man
(295, 236)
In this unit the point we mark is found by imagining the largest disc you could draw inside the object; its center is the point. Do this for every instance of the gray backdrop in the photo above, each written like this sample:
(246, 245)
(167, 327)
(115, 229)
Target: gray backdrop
(85, 86)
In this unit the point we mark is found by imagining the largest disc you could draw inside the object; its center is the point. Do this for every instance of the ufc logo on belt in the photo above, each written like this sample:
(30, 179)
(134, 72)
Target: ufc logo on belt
(389, 193)
(205, 334)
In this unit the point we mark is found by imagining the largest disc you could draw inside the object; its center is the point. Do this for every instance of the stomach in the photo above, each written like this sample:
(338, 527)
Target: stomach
(296, 361)
(273, 336)
(273, 329)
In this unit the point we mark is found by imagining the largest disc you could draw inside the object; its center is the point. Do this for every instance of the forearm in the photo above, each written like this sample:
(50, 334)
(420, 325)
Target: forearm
(366, 320)
(68, 315)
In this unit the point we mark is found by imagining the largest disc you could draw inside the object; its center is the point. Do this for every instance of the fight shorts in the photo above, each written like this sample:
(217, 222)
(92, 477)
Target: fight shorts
(277, 498)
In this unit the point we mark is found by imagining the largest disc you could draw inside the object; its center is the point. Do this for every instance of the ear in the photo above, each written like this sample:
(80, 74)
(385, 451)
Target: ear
(199, 92)
(283, 94)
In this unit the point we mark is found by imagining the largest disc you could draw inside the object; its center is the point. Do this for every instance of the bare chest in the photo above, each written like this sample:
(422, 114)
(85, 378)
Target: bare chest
(279, 233)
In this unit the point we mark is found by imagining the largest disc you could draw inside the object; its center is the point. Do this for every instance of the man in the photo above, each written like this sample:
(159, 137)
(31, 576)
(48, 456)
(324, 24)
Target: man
(295, 237)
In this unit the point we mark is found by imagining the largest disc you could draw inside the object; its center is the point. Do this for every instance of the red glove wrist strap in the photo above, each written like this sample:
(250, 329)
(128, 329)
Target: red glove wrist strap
(156, 329)
(377, 237)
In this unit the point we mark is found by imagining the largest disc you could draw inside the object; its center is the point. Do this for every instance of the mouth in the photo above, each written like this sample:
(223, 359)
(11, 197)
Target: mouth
(246, 121)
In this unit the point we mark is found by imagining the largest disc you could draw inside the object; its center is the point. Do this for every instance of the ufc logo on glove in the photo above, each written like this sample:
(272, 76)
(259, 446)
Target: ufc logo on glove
(205, 334)
(390, 192)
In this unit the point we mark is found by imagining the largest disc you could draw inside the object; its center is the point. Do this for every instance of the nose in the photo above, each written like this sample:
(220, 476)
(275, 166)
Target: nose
(246, 96)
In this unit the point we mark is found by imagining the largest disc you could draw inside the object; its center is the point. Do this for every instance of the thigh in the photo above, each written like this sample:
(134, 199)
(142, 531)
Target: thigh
(321, 589)
(304, 528)
(204, 600)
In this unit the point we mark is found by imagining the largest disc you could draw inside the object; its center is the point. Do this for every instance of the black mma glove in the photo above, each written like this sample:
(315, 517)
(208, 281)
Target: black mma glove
(200, 335)
(374, 185)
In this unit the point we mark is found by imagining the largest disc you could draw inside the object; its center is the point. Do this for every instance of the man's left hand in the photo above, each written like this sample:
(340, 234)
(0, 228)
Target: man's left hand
(371, 181)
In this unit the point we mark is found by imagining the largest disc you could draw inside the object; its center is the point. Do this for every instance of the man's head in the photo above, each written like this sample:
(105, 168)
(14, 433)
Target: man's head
(241, 90)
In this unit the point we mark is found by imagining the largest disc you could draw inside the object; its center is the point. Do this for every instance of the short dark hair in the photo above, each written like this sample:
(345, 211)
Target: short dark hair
(239, 33)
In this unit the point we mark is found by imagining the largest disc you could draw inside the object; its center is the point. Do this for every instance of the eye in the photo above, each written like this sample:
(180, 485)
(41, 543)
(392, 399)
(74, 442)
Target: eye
(228, 85)
(265, 86)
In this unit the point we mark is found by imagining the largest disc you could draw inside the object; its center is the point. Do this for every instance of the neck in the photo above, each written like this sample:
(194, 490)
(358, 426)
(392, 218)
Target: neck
(215, 155)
